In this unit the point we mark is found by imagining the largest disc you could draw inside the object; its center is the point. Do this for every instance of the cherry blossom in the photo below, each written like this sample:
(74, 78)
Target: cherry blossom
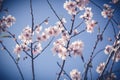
(107, 11)
(81, 4)
(90, 25)
(76, 48)
(87, 14)
(17, 49)
(37, 49)
(70, 6)
(26, 35)
(100, 67)
(6, 22)
(38, 29)
(108, 49)
(75, 75)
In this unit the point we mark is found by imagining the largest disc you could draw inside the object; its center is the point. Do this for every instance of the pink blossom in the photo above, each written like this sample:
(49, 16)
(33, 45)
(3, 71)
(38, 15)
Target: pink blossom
(17, 49)
(38, 29)
(76, 47)
(75, 75)
(115, 1)
(82, 3)
(100, 67)
(108, 49)
(37, 49)
(87, 14)
(26, 35)
(107, 11)
(90, 25)
(70, 6)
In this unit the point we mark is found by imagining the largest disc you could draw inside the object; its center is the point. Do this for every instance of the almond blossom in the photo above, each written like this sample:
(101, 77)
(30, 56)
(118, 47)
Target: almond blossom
(70, 6)
(87, 14)
(76, 47)
(59, 48)
(90, 25)
(37, 49)
(107, 11)
(108, 49)
(112, 76)
(26, 35)
(17, 49)
(100, 67)
(38, 29)
(81, 4)
(6, 22)
(75, 75)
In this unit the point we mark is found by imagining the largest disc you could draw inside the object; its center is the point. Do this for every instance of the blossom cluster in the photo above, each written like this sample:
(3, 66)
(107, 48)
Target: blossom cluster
(107, 11)
(71, 6)
(59, 46)
(87, 16)
(100, 67)
(76, 48)
(36, 37)
(75, 75)
(6, 22)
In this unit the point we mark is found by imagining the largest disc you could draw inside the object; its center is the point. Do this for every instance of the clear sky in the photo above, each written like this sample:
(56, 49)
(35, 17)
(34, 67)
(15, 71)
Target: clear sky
(46, 64)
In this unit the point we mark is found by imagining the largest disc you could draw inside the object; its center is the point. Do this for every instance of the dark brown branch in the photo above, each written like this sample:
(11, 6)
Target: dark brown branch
(56, 14)
(114, 29)
(13, 60)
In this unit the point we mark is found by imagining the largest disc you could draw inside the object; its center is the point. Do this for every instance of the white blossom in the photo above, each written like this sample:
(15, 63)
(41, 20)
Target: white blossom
(108, 49)
(17, 49)
(38, 29)
(37, 49)
(107, 11)
(75, 75)
(76, 48)
(82, 3)
(87, 14)
(90, 25)
(26, 35)
(100, 67)
(70, 6)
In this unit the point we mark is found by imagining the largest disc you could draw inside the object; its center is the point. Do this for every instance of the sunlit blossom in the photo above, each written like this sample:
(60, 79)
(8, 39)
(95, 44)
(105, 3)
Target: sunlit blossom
(17, 49)
(82, 3)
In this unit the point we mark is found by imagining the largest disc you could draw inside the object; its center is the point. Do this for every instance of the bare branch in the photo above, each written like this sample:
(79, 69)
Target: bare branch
(56, 14)
(44, 48)
(12, 59)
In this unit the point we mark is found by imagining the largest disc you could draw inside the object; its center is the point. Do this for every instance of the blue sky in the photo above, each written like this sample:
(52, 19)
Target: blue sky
(46, 64)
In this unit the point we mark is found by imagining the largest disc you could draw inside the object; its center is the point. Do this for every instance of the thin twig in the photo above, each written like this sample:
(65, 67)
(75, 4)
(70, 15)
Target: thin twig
(44, 48)
(79, 24)
(114, 29)
(64, 71)
(13, 60)
(56, 14)
(15, 39)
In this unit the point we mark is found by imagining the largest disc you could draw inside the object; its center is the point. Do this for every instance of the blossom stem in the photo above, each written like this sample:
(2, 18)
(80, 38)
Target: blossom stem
(13, 60)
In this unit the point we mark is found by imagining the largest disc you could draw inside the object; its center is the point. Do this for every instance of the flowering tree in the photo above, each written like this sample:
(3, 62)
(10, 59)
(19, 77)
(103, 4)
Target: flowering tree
(63, 39)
